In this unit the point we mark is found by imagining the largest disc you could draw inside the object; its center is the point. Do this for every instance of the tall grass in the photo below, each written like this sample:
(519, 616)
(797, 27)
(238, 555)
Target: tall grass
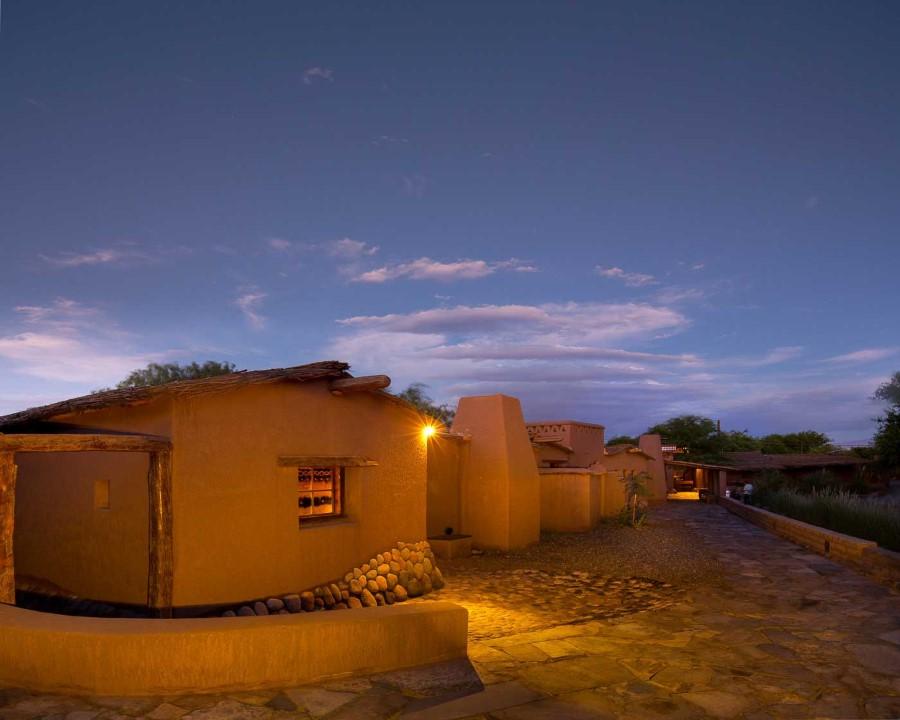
(869, 518)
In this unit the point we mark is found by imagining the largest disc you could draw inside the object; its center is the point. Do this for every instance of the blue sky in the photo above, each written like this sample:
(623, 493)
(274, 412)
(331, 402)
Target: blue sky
(617, 212)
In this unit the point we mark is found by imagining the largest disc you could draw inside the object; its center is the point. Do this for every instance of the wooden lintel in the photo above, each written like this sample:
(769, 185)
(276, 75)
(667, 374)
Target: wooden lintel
(72, 442)
(7, 519)
(162, 556)
(325, 461)
(366, 383)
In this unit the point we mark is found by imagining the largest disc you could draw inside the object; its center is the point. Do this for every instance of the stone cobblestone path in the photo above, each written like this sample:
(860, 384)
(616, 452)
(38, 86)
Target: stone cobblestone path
(586, 627)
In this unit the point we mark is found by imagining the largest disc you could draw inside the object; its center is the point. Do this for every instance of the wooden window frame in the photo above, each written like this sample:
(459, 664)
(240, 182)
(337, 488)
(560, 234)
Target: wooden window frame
(338, 493)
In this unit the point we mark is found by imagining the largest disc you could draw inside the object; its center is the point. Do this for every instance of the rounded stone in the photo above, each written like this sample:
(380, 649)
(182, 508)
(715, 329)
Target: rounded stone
(426, 584)
(384, 569)
(437, 579)
(246, 611)
(364, 568)
(335, 592)
(395, 554)
(372, 586)
(341, 606)
(307, 601)
(379, 599)
(275, 604)
(419, 570)
(368, 599)
(414, 588)
(391, 581)
(345, 595)
(229, 613)
(357, 572)
(292, 603)
(353, 603)
(403, 578)
(260, 608)
(320, 603)
(328, 597)
(356, 587)
(400, 593)
(428, 565)
(349, 576)
(404, 553)
(380, 558)
(390, 598)
(394, 566)
(381, 582)
(372, 574)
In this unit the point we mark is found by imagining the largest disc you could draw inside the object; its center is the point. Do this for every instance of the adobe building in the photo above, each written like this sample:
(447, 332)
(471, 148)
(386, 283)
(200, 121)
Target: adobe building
(251, 484)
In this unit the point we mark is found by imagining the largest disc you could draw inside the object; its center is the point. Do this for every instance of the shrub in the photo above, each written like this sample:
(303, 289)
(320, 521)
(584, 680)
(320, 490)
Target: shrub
(869, 518)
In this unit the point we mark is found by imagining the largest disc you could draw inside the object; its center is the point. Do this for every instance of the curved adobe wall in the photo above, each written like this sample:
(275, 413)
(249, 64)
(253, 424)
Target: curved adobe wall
(100, 656)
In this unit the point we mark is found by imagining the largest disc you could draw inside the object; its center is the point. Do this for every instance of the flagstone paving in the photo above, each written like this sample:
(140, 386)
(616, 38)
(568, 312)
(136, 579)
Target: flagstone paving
(710, 617)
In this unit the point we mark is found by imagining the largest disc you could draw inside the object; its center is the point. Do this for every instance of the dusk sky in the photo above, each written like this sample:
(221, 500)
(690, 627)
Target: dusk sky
(616, 212)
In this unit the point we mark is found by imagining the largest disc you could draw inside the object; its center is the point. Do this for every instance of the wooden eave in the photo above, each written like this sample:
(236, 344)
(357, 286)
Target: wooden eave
(325, 461)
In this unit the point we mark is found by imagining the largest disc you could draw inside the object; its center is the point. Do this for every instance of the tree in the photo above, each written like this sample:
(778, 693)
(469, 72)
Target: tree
(887, 441)
(890, 391)
(415, 395)
(622, 440)
(695, 434)
(738, 441)
(806, 441)
(156, 374)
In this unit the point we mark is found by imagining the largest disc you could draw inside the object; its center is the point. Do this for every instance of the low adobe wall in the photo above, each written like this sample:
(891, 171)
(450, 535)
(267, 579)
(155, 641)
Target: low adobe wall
(105, 656)
(575, 499)
(863, 555)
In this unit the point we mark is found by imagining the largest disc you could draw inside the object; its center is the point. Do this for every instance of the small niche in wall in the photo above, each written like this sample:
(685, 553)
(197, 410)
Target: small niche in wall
(101, 494)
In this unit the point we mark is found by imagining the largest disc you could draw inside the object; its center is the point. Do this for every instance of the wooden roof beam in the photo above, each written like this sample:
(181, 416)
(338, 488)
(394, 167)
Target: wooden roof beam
(71, 442)
(365, 383)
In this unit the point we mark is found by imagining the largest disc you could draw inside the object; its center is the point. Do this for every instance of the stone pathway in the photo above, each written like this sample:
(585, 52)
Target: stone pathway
(775, 632)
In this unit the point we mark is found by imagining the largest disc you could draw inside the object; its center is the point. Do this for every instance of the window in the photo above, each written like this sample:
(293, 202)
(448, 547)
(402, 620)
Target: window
(101, 494)
(320, 492)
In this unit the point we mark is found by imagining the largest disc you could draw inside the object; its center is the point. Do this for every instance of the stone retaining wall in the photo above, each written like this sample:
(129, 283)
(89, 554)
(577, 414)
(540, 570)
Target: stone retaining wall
(406, 571)
(863, 555)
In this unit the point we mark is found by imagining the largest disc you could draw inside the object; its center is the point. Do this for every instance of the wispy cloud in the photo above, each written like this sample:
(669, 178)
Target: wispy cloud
(317, 73)
(67, 341)
(350, 249)
(104, 256)
(632, 279)
(279, 244)
(427, 269)
(865, 355)
(249, 302)
(775, 356)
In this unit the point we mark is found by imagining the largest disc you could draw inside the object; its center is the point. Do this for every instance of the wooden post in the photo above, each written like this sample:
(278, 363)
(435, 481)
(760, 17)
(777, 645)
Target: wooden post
(7, 522)
(159, 581)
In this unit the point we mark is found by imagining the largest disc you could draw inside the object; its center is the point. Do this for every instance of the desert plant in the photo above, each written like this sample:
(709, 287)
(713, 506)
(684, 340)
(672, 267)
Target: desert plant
(634, 512)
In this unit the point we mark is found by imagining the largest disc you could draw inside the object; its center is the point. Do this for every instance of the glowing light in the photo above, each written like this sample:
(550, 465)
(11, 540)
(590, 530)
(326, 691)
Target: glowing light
(428, 431)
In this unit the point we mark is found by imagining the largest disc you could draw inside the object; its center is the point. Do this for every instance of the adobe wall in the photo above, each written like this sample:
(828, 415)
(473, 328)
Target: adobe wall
(98, 656)
(236, 533)
(500, 489)
(652, 445)
(447, 458)
(61, 536)
(569, 500)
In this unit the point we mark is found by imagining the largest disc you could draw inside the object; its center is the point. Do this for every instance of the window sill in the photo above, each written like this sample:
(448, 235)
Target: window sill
(325, 522)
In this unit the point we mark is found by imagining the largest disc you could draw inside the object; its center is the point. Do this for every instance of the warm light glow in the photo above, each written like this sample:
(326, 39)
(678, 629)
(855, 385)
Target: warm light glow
(428, 431)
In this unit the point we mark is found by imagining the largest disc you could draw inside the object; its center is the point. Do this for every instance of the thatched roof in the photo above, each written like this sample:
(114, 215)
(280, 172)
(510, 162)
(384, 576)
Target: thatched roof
(328, 369)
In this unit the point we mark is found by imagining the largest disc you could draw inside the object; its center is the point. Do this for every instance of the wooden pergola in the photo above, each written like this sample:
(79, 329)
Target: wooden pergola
(159, 486)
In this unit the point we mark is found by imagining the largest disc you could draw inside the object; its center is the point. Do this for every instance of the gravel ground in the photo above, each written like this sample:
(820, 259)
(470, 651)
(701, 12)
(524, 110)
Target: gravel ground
(664, 548)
